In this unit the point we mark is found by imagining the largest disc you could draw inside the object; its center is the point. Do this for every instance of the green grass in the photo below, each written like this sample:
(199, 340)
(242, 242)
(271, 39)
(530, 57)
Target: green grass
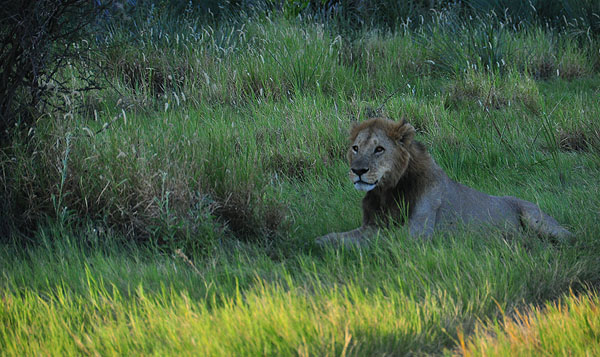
(569, 327)
(397, 296)
(175, 211)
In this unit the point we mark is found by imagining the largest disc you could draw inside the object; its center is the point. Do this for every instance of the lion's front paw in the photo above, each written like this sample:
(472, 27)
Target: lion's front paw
(328, 239)
(347, 239)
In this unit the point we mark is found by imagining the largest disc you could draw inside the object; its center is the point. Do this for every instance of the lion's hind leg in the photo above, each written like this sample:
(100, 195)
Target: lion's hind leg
(533, 218)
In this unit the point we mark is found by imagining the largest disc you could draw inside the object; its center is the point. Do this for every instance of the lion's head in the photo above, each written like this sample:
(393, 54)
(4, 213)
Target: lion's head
(379, 153)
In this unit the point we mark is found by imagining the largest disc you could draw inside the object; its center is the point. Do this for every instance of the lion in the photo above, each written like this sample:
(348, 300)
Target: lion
(403, 183)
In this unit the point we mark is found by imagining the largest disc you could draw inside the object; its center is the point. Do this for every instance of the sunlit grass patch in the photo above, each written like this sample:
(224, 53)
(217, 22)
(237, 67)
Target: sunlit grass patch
(570, 326)
(397, 296)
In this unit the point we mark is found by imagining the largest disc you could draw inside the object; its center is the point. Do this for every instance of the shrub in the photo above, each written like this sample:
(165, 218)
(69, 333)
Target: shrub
(38, 39)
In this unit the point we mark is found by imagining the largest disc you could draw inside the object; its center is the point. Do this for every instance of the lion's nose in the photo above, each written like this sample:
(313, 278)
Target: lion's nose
(360, 172)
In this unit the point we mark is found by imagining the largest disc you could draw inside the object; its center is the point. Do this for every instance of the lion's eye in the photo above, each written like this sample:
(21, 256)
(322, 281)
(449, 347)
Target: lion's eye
(379, 149)
(355, 148)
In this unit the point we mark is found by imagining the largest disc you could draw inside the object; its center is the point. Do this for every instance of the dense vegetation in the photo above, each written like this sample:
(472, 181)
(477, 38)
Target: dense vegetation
(175, 209)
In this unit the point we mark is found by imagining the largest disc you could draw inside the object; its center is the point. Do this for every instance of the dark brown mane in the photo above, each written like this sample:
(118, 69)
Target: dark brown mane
(419, 173)
(393, 129)
(417, 177)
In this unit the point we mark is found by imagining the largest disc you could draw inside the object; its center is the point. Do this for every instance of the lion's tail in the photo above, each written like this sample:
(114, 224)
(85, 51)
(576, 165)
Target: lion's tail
(533, 218)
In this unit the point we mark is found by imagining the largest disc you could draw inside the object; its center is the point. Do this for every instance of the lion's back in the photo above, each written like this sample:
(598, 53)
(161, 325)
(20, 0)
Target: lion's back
(465, 205)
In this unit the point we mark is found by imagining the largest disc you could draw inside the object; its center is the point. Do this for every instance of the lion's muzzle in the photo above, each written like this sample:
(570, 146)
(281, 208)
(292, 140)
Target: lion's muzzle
(360, 183)
(364, 186)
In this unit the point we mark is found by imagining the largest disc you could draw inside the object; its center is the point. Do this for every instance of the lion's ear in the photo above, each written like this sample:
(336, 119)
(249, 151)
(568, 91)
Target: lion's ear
(404, 133)
(354, 130)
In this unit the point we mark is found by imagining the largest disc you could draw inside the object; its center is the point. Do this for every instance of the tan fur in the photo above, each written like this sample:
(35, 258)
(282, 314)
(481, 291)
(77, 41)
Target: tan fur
(404, 183)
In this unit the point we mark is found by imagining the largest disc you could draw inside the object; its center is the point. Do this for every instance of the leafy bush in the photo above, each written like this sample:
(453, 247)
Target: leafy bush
(38, 39)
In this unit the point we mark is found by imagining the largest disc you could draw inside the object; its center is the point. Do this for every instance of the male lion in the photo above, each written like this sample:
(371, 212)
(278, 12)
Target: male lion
(402, 180)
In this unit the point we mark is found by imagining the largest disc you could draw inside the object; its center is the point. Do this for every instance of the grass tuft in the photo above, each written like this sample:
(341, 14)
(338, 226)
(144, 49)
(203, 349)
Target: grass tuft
(567, 327)
(493, 92)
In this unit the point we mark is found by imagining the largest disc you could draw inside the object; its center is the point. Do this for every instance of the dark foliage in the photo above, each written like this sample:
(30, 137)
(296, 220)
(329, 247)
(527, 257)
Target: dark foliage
(575, 15)
(38, 38)
(350, 15)
(570, 14)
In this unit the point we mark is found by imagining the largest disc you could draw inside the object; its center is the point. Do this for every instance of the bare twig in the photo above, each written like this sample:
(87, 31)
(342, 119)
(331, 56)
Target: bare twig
(187, 260)
(387, 99)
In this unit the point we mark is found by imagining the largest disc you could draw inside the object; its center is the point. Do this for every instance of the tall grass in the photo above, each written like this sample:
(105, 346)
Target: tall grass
(398, 296)
(175, 145)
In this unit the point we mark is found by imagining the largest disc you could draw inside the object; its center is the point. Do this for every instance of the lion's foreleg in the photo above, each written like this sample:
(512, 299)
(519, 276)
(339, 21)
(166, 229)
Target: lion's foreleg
(355, 238)
(422, 221)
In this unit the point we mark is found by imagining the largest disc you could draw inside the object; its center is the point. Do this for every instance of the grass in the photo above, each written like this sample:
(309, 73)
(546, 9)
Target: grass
(64, 298)
(175, 211)
(569, 327)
